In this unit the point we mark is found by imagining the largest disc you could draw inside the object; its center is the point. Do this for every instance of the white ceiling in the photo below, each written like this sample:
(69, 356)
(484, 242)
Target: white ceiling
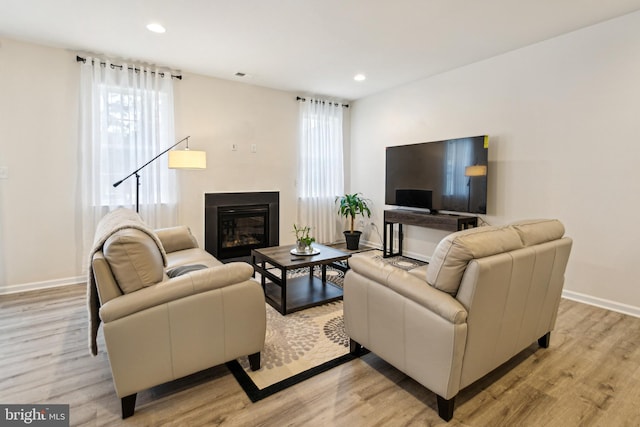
(305, 46)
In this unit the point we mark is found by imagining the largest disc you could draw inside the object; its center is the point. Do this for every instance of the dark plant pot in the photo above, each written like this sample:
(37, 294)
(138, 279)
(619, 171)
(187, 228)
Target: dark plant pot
(353, 239)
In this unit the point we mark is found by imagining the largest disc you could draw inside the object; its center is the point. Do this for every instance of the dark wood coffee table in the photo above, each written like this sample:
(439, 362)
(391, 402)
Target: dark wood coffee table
(293, 294)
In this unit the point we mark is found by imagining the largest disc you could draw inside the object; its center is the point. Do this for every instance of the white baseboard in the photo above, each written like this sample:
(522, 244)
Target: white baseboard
(408, 254)
(602, 303)
(371, 244)
(416, 255)
(34, 286)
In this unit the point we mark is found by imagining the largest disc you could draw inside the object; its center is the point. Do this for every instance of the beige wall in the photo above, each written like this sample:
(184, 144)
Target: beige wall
(38, 143)
(217, 114)
(39, 219)
(564, 123)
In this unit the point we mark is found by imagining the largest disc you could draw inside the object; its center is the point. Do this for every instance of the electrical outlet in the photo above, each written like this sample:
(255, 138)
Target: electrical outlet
(254, 148)
(4, 172)
(234, 147)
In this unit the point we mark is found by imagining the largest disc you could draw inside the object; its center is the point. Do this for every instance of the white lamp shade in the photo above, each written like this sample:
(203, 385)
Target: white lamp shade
(475, 170)
(187, 159)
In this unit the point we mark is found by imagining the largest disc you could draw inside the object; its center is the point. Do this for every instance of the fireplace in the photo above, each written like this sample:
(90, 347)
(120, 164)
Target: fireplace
(242, 228)
(235, 223)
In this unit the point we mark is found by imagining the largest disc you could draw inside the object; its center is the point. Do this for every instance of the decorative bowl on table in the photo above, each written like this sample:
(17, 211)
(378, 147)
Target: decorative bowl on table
(307, 251)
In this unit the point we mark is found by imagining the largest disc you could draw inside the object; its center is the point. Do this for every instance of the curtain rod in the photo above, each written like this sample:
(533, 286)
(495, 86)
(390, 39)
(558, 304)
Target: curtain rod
(81, 59)
(298, 98)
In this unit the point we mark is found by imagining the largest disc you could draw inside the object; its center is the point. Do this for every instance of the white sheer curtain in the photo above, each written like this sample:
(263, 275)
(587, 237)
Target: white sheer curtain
(320, 167)
(126, 119)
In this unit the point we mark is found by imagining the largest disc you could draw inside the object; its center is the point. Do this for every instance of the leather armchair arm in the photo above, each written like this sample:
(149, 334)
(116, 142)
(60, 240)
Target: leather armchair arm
(176, 288)
(176, 238)
(410, 287)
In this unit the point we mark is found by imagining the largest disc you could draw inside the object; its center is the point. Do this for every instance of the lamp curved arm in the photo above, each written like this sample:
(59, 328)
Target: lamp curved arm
(151, 161)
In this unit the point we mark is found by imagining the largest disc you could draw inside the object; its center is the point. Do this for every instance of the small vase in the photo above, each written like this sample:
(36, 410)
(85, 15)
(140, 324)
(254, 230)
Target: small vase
(301, 246)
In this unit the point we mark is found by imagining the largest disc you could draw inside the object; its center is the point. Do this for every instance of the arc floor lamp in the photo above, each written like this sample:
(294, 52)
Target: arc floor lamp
(178, 159)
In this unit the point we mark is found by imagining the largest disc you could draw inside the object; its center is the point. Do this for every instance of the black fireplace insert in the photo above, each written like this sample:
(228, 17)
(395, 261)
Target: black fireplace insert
(235, 223)
(242, 228)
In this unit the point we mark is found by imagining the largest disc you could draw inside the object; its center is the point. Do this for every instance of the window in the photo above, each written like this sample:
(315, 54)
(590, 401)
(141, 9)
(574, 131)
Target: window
(125, 150)
(320, 167)
(126, 119)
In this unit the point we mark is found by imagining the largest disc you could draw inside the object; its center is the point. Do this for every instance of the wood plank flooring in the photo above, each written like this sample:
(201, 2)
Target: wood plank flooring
(589, 376)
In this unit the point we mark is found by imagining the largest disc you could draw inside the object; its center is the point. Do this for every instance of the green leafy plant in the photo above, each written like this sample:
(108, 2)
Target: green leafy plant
(351, 205)
(302, 234)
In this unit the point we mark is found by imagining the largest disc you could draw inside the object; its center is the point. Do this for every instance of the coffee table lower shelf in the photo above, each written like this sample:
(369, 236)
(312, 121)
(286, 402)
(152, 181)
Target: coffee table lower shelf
(302, 292)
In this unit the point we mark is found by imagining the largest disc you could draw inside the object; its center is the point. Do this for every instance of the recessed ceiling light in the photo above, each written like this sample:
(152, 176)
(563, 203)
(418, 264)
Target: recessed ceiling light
(156, 28)
(359, 77)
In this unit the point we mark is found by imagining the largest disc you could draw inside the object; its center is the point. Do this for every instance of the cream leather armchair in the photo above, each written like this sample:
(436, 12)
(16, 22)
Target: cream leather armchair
(487, 294)
(168, 308)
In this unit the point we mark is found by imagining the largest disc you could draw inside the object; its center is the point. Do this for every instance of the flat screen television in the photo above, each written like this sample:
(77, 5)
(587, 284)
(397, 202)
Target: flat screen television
(448, 175)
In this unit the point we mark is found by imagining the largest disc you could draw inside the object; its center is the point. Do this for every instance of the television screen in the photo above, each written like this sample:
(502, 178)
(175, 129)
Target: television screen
(449, 175)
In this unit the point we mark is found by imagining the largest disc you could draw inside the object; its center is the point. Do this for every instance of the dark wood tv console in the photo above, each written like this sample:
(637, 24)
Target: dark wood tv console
(444, 222)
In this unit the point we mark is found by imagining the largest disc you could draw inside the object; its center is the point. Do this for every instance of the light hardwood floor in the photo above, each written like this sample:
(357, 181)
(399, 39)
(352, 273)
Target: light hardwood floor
(589, 376)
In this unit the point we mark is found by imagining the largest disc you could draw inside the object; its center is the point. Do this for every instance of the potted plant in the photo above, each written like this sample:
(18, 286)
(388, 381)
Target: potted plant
(303, 241)
(351, 205)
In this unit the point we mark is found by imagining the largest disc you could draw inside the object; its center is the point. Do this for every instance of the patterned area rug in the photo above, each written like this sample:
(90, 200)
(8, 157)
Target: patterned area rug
(397, 261)
(297, 346)
(302, 344)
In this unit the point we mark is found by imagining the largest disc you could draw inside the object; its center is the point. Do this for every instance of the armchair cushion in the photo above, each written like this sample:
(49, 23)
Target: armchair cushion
(134, 258)
(536, 231)
(453, 253)
(176, 238)
(189, 257)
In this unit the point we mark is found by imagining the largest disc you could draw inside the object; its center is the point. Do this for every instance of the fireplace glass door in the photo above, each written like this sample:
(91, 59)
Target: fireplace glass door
(242, 228)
